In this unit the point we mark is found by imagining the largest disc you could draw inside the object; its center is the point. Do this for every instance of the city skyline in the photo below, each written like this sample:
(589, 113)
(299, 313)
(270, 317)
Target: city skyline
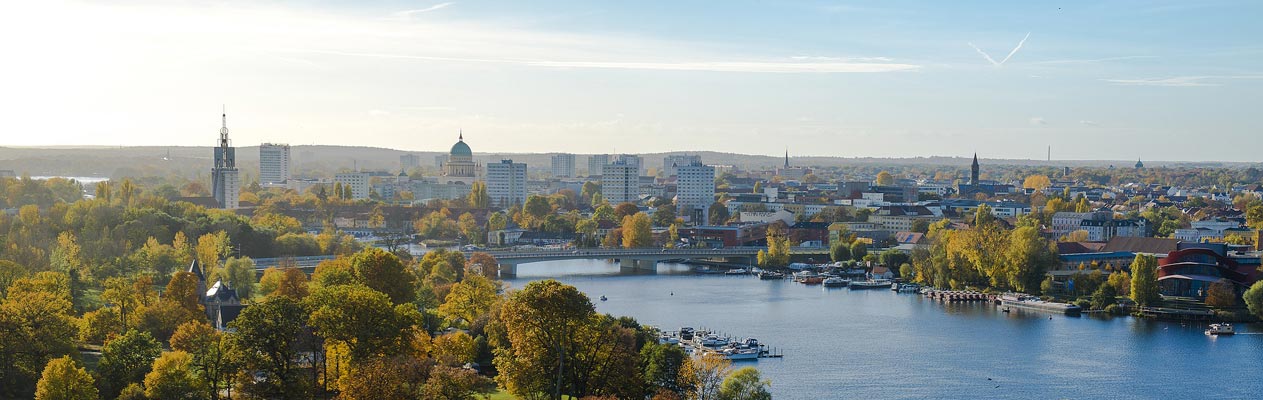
(1115, 81)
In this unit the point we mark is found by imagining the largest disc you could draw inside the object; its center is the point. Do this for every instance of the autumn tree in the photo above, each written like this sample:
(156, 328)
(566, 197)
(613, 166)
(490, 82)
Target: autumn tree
(212, 359)
(64, 379)
(362, 318)
(1221, 294)
(884, 178)
(637, 231)
(173, 377)
(1036, 182)
(484, 264)
(541, 322)
(717, 214)
(623, 210)
(478, 197)
(449, 383)
(384, 272)
(469, 299)
(705, 376)
(745, 384)
(35, 327)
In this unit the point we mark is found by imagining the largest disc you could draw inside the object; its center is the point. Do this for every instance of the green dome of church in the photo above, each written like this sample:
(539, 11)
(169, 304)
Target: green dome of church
(462, 149)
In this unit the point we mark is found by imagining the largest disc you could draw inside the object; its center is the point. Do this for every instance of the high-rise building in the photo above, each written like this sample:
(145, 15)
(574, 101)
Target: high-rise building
(506, 183)
(620, 183)
(670, 164)
(440, 160)
(410, 161)
(596, 164)
(563, 165)
(695, 191)
(357, 181)
(273, 163)
(225, 179)
(631, 159)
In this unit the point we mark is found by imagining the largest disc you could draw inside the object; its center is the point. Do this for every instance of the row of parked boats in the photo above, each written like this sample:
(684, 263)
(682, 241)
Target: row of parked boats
(700, 342)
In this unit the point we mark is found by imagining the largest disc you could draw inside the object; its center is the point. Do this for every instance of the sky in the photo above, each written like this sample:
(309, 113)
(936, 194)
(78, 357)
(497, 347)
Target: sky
(1116, 80)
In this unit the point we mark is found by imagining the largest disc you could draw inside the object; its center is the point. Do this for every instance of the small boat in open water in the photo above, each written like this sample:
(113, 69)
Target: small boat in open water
(1221, 329)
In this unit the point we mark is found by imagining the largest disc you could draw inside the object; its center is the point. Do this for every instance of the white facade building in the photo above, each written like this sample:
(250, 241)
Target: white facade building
(620, 183)
(274, 163)
(563, 165)
(357, 181)
(631, 159)
(671, 164)
(596, 164)
(408, 162)
(506, 183)
(695, 191)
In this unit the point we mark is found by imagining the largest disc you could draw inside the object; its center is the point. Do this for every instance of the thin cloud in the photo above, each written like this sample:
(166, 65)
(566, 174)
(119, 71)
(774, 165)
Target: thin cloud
(1007, 57)
(1181, 81)
(711, 66)
(407, 14)
(1037, 121)
(1088, 123)
(1091, 60)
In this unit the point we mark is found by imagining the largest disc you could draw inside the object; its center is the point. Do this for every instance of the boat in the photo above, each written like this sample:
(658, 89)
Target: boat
(877, 284)
(603, 298)
(1006, 309)
(668, 339)
(835, 282)
(736, 354)
(1221, 329)
(770, 275)
(738, 271)
(800, 277)
(686, 333)
(707, 270)
(713, 340)
(1034, 303)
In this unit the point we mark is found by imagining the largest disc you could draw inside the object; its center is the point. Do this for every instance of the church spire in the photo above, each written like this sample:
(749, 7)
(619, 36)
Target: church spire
(223, 130)
(786, 156)
(973, 171)
(461, 137)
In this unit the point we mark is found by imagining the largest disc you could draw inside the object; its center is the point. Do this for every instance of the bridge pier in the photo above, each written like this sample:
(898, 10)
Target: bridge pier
(634, 265)
(508, 270)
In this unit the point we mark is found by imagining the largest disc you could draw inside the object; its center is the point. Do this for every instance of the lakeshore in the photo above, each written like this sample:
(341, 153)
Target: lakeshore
(840, 343)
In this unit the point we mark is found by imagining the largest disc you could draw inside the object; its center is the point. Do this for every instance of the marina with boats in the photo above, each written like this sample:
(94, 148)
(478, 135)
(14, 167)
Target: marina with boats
(699, 342)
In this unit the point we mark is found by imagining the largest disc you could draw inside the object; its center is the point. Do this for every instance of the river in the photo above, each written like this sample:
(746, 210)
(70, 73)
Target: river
(840, 343)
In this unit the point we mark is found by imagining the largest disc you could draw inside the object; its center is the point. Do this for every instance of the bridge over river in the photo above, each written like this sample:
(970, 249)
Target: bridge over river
(640, 259)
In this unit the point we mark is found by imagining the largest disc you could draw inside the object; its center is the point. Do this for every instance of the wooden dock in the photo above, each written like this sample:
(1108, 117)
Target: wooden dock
(957, 296)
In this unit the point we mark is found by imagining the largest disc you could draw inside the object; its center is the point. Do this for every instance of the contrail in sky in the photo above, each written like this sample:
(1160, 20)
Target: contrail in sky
(1006, 58)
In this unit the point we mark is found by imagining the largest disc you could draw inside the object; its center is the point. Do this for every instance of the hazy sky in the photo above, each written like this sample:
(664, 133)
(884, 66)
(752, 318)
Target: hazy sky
(1177, 80)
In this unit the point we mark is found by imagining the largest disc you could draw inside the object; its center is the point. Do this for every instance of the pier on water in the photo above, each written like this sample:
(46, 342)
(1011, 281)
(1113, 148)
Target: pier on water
(957, 296)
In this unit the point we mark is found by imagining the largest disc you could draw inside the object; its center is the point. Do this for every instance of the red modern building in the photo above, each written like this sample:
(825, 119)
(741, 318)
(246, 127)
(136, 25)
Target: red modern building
(1192, 268)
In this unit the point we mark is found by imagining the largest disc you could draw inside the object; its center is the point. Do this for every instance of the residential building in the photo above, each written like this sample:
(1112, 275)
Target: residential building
(563, 165)
(225, 179)
(506, 183)
(620, 183)
(634, 160)
(671, 164)
(1104, 230)
(596, 164)
(1065, 222)
(274, 163)
(409, 161)
(695, 191)
(357, 181)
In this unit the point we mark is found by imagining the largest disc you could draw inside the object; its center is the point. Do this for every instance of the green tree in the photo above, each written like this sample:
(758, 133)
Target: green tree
(496, 221)
(1103, 297)
(470, 228)
(664, 215)
(858, 250)
(266, 340)
(1144, 280)
(717, 214)
(745, 384)
(212, 359)
(126, 360)
(239, 274)
(1254, 299)
(64, 379)
(173, 377)
(661, 365)
(1028, 259)
(384, 272)
(637, 231)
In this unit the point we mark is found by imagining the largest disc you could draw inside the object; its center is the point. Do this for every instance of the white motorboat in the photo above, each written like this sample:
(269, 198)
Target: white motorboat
(836, 282)
(1220, 329)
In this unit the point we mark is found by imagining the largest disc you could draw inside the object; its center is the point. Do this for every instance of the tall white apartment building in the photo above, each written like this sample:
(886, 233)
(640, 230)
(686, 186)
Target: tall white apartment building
(357, 181)
(695, 191)
(596, 164)
(671, 164)
(410, 161)
(506, 183)
(620, 183)
(273, 163)
(631, 159)
(563, 165)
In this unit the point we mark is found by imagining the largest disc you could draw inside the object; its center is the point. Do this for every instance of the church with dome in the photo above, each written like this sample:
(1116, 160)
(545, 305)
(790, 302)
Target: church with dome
(460, 166)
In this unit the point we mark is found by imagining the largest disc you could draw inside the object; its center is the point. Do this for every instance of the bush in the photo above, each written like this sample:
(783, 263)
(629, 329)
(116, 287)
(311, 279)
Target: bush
(1084, 304)
(1113, 309)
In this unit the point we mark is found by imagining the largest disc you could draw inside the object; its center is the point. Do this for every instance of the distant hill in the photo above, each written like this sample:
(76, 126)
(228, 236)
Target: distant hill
(195, 162)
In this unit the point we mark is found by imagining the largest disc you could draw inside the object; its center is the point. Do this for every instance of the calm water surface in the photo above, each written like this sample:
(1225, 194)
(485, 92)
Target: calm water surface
(840, 343)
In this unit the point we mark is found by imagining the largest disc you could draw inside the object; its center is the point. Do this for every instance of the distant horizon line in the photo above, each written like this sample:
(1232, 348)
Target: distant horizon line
(776, 156)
